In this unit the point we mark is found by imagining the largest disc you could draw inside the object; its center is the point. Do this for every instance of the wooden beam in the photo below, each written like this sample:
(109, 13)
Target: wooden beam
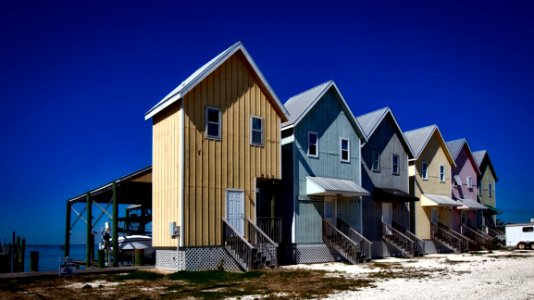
(115, 228)
(88, 244)
(67, 230)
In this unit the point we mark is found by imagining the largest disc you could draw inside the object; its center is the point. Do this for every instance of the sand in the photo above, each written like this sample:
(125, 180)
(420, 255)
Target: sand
(497, 275)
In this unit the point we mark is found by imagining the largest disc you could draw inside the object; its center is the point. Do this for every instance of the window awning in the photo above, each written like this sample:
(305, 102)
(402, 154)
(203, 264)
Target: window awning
(438, 200)
(332, 186)
(392, 195)
(492, 210)
(470, 204)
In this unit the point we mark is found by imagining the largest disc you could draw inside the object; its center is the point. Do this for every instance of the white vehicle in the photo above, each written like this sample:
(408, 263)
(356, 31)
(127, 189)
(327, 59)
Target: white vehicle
(520, 236)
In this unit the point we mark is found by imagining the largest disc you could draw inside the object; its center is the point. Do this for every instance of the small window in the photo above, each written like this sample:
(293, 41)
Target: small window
(528, 229)
(375, 161)
(424, 170)
(344, 148)
(469, 182)
(442, 173)
(479, 187)
(490, 190)
(457, 180)
(213, 123)
(256, 131)
(313, 144)
(395, 162)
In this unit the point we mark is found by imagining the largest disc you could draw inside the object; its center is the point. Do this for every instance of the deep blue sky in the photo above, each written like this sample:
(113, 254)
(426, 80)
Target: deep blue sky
(77, 77)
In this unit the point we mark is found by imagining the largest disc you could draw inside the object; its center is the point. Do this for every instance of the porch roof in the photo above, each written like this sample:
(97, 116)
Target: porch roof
(332, 186)
(392, 195)
(492, 210)
(437, 200)
(470, 204)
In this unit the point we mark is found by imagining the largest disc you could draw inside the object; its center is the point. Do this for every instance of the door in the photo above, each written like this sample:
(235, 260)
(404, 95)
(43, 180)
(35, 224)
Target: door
(434, 215)
(330, 209)
(235, 210)
(387, 215)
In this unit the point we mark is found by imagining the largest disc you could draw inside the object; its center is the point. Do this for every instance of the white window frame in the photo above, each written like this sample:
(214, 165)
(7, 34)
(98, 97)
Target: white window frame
(377, 169)
(469, 180)
(424, 170)
(252, 130)
(206, 113)
(393, 164)
(442, 177)
(341, 140)
(457, 180)
(316, 144)
(479, 187)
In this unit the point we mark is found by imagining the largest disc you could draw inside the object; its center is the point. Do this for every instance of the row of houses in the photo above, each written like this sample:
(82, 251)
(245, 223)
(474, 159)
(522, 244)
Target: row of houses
(242, 181)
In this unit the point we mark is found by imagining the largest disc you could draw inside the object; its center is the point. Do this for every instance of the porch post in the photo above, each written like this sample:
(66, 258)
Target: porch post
(88, 240)
(67, 230)
(114, 230)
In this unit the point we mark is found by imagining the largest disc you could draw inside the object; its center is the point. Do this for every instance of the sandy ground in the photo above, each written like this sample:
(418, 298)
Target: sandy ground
(497, 275)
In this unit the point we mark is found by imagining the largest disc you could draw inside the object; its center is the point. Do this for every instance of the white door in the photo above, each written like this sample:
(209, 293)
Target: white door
(235, 210)
(434, 215)
(330, 209)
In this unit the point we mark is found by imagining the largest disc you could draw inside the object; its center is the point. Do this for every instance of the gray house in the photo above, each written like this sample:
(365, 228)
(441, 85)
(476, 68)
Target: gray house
(321, 180)
(385, 155)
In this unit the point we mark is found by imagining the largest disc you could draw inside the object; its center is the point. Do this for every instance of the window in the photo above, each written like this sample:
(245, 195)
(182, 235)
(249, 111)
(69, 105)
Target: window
(479, 187)
(457, 180)
(424, 170)
(442, 173)
(469, 182)
(256, 131)
(313, 144)
(344, 148)
(528, 229)
(375, 161)
(213, 123)
(395, 162)
(490, 190)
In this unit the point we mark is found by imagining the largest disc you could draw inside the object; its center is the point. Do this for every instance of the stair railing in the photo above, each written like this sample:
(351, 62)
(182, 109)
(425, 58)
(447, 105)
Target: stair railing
(478, 237)
(496, 234)
(261, 241)
(336, 239)
(272, 227)
(443, 234)
(419, 243)
(398, 239)
(364, 244)
(466, 241)
(237, 246)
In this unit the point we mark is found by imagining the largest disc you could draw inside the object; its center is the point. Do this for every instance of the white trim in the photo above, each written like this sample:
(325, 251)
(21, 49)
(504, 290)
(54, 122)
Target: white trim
(287, 140)
(316, 155)
(181, 183)
(377, 170)
(219, 133)
(262, 130)
(440, 173)
(424, 163)
(341, 139)
(393, 164)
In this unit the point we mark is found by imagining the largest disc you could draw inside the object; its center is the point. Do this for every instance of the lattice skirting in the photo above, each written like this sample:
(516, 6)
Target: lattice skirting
(195, 259)
(315, 253)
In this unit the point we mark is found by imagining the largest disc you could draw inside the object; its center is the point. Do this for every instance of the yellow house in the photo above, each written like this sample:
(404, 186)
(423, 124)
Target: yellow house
(215, 138)
(430, 181)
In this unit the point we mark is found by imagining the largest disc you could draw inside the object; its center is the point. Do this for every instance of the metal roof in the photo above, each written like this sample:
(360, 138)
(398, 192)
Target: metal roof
(455, 147)
(419, 138)
(438, 200)
(370, 122)
(479, 158)
(470, 204)
(333, 186)
(299, 105)
(186, 86)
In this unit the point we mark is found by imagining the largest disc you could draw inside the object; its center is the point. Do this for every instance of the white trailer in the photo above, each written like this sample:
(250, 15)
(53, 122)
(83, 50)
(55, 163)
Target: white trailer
(520, 236)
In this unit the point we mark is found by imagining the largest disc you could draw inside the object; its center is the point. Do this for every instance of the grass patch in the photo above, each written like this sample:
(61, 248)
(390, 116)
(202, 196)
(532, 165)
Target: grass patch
(213, 277)
(139, 275)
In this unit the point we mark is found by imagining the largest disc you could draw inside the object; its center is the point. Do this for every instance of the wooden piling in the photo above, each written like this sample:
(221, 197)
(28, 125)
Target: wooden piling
(115, 227)
(88, 245)
(34, 261)
(67, 230)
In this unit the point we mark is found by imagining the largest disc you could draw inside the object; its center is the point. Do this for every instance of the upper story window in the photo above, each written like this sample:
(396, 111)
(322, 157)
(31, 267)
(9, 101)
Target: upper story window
(424, 170)
(457, 180)
(442, 173)
(469, 180)
(213, 123)
(256, 131)
(479, 187)
(375, 161)
(395, 163)
(490, 190)
(313, 144)
(344, 149)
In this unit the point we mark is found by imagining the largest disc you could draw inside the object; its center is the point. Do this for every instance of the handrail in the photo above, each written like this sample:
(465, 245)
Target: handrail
(476, 235)
(402, 240)
(364, 244)
(420, 244)
(466, 240)
(271, 226)
(438, 232)
(263, 242)
(496, 233)
(237, 245)
(334, 238)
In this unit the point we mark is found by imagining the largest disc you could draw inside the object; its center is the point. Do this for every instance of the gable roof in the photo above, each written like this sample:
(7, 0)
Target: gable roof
(456, 146)
(479, 157)
(200, 74)
(370, 122)
(299, 105)
(419, 138)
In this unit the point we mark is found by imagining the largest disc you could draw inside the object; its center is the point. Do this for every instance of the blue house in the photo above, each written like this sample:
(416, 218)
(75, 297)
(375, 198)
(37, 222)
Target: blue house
(385, 155)
(321, 182)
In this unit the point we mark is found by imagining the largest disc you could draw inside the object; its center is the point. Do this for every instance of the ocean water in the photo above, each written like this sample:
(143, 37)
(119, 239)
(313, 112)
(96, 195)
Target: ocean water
(49, 256)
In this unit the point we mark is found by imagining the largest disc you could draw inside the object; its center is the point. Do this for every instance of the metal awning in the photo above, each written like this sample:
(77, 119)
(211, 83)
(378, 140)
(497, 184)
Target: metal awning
(331, 186)
(470, 204)
(438, 200)
(490, 210)
(392, 195)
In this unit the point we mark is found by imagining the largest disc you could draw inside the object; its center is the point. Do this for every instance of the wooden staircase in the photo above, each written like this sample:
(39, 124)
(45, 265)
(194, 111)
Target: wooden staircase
(346, 241)
(449, 238)
(419, 244)
(256, 252)
(408, 246)
(481, 240)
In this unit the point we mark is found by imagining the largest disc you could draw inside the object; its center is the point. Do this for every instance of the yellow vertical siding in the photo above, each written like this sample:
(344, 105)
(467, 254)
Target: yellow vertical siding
(165, 175)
